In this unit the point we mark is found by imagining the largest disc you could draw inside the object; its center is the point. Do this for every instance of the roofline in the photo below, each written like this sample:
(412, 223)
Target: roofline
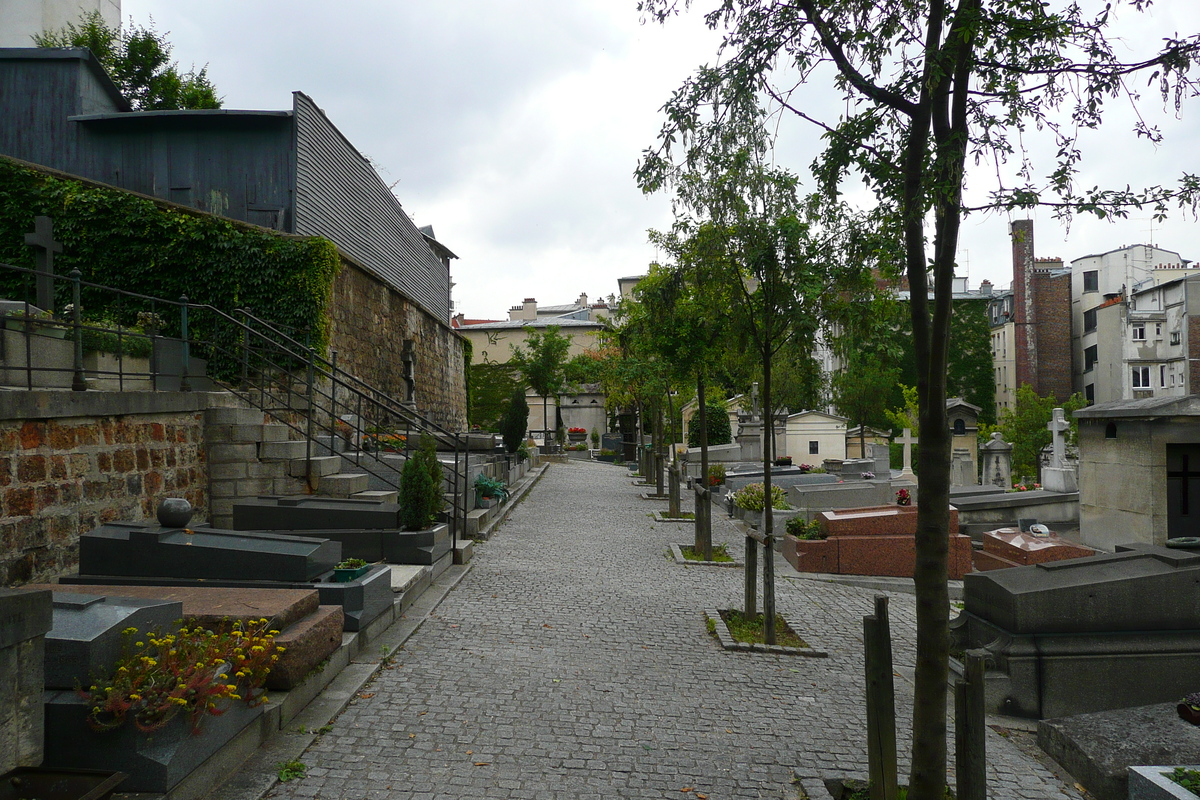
(1129, 247)
(68, 53)
(177, 113)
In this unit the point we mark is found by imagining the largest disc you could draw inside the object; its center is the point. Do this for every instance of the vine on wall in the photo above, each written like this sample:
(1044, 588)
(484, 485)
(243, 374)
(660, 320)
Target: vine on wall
(126, 241)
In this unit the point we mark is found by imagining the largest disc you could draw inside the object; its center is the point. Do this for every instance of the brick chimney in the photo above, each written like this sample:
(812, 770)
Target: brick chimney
(1021, 231)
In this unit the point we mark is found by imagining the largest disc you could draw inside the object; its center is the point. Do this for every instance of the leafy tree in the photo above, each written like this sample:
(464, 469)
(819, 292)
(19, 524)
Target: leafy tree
(929, 88)
(541, 364)
(1024, 427)
(139, 61)
(491, 386)
(861, 388)
(515, 420)
(719, 429)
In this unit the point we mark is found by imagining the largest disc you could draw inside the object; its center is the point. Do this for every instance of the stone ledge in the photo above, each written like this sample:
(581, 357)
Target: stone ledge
(661, 516)
(43, 404)
(728, 643)
(679, 559)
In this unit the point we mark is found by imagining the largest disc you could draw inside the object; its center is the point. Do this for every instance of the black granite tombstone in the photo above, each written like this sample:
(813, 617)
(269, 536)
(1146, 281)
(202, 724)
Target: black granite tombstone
(135, 549)
(276, 513)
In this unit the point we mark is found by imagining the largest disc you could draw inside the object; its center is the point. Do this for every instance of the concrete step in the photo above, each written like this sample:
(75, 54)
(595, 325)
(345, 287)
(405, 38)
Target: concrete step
(383, 496)
(464, 551)
(321, 466)
(342, 484)
(281, 451)
(233, 416)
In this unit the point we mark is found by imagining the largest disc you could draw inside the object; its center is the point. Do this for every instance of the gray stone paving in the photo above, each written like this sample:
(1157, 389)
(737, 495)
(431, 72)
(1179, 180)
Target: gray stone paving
(572, 661)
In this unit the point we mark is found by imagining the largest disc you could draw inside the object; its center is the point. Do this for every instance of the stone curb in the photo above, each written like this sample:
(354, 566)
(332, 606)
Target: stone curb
(661, 516)
(679, 559)
(727, 641)
(652, 496)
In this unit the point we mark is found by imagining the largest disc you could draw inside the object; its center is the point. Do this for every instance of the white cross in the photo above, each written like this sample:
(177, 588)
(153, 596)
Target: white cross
(1058, 426)
(908, 440)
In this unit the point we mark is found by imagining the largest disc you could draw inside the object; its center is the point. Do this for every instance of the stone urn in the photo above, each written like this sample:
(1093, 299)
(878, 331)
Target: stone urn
(174, 512)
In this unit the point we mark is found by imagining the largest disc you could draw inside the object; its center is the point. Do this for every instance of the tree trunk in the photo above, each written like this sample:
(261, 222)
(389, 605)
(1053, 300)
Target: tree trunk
(768, 524)
(703, 543)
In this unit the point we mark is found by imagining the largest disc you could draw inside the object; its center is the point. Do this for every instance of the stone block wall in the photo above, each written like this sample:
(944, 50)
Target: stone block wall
(25, 617)
(239, 467)
(370, 322)
(71, 461)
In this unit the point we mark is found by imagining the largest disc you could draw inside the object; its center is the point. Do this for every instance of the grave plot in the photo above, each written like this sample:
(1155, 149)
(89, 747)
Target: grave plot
(1086, 634)
(879, 540)
(1009, 547)
(143, 554)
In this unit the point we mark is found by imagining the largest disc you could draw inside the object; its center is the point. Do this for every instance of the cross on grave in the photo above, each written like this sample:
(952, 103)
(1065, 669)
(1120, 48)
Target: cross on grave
(908, 440)
(1058, 426)
(44, 248)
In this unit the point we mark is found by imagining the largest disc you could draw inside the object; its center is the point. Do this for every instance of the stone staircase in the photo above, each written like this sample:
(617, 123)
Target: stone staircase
(250, 456)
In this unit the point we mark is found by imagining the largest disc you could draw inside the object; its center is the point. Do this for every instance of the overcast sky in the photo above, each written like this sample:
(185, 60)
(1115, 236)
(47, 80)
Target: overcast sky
(513, 127)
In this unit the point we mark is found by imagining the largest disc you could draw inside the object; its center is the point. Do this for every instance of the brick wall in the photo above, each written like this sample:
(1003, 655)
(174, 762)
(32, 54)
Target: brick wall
(370, 322)
(70, 462)
(1052, 325)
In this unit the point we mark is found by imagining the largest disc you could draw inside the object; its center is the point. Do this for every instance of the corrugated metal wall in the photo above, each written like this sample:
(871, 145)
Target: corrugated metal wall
(339, 196)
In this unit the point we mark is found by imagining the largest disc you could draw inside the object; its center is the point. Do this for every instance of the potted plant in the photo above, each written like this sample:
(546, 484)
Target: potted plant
(595, 439)
(488, 488)
(577, 434)
(350, 569)
(41, 323)
(903, 498)
(783, 461)
(716, 474)
(1189, 708)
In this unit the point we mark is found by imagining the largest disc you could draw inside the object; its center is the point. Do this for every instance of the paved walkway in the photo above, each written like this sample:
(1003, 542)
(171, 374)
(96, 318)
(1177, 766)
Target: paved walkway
(572, 661)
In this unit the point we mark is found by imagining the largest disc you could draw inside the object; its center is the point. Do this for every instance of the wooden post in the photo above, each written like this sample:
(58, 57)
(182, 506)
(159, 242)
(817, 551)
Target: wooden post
(881, 702)
(970, 733)
(751, 604)
(673, 490)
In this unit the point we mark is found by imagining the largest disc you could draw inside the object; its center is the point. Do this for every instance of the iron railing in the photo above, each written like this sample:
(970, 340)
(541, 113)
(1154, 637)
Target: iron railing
(185, 346)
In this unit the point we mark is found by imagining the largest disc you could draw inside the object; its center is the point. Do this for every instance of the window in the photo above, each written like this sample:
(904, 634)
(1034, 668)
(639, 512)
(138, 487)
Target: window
(1174, 337)
(960, 428)
(1158, 330)
(1089, 393)
(1141, 377)
(1162, 375)
(814, 448)
(1091, 281)
(1139, 333)
(1089, 358)
(1110, 431)
(1089, 320)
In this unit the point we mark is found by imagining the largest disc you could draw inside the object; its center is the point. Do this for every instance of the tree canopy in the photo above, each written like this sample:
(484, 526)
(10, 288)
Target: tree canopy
(139, 61)
(929, 90)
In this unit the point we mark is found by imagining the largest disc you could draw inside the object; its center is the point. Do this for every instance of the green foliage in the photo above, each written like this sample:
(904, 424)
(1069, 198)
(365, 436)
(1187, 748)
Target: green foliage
(751, 498)
(421, 487)
(587, 367)
(350, 563)
(291, 770)
(1187, 778)
(468, 353)
(491, 386)
(139, 62)
(720, 554)
(490, 487)
(118, 239)
(1024, 427)
(907, 415)
(515, 420)
(716, 474)
(719, 429)
(115, 338)
(808, 531)
(542, 360)
(750, 629)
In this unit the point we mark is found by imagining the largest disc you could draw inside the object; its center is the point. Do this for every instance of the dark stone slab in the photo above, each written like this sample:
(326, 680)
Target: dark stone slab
(144, 550)
(362, 600)
(307, 513)
(155, 762)
(86, 639)
(1151, 588)
(24, 614)
(1099, 748)
(392, 546)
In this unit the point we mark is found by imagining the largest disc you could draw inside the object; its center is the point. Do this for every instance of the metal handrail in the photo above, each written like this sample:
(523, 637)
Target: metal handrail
(252, 370)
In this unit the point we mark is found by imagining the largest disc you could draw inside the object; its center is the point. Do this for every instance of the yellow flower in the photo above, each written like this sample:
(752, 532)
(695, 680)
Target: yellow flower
(135, 697)
(280, 649)
(241, 674)
(231, 687)
(139, 644)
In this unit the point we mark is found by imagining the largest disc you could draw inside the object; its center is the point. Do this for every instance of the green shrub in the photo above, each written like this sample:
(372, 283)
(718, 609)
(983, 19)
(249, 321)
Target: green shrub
(751, 498)
(716, 474)
(514, 421)
(117, 339)
(797, 527)
(420, 492)
(719, 431)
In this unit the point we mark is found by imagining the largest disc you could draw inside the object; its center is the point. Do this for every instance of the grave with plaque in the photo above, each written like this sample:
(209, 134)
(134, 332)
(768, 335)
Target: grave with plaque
(1086, 634)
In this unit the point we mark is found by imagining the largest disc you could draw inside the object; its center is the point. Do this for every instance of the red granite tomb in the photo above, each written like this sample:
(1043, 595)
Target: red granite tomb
(1009, 547)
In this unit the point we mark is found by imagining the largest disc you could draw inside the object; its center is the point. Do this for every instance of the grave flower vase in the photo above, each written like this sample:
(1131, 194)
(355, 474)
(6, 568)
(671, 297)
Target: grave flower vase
(346, 574)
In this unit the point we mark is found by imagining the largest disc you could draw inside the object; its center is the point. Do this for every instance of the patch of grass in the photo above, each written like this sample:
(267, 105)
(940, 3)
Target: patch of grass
(720, 553)
(291, 770)
(682, 515)
(750, 629)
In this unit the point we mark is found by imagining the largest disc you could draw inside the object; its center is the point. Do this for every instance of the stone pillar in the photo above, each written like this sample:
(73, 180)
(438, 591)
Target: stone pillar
(997, 462)
(750, 435)
(25, 617)
(962, 468)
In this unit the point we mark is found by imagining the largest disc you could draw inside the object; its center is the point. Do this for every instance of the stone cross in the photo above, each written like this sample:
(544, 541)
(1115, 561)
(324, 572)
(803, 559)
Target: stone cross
(754, 400)
(1058, 426)
(44, 248)
(908, 440)
(407, 358)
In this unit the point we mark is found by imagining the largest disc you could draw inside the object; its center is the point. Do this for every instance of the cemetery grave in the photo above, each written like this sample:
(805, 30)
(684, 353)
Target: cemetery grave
(1087, 634)
(1010, 547)
(879, 540)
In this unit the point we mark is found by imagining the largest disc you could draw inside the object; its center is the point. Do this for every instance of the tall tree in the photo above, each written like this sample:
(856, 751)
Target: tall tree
(139, 61)
(542, 364)
(928, 87)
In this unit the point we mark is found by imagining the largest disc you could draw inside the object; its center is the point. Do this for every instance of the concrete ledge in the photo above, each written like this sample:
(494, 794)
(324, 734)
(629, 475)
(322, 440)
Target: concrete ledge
(661, 516)
(45, 404)
(679, 559)
(727, 641)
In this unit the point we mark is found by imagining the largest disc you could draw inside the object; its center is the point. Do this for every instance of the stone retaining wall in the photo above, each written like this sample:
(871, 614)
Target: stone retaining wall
(71, 461)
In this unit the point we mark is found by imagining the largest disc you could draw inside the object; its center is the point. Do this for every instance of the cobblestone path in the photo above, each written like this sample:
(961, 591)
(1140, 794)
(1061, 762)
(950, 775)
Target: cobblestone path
(572, 661)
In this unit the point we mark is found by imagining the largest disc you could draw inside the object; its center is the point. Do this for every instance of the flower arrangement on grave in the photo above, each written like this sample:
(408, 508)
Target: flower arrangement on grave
(1025, 487)
(867, 476)
(903, 498)
(343, 429)
(1189, 708)
(579, 447)
(783, 461)
(808, 531)
(752, 497)
(806, 468)
(490, 487)
(576, 430)
(716, 474)
(191, 670)
(385, 442)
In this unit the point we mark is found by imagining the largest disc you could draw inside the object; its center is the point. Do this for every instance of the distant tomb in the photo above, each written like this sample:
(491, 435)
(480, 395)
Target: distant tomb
(1010, 547)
